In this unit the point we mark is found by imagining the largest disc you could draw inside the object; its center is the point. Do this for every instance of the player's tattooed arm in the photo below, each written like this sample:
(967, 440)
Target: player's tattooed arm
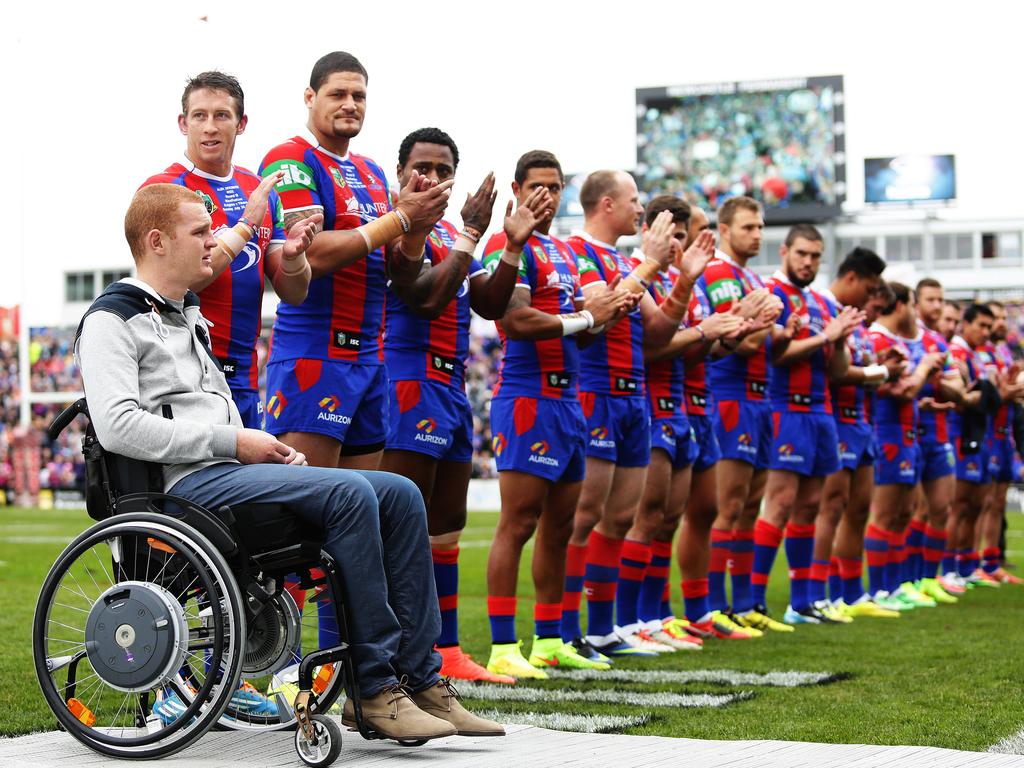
(331, 249)
(291, 218)
(434, 286)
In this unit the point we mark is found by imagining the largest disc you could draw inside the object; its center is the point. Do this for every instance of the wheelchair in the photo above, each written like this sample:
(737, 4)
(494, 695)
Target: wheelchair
(164, 600)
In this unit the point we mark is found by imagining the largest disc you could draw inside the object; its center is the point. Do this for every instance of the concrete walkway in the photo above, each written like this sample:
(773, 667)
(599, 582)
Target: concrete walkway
(524, 747)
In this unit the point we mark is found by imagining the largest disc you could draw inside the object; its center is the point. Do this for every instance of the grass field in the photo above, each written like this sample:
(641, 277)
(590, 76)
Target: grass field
(946, 677)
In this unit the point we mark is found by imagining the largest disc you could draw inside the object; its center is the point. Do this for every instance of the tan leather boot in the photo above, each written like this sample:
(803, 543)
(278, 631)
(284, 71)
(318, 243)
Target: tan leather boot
(393, 714)
(442, 701)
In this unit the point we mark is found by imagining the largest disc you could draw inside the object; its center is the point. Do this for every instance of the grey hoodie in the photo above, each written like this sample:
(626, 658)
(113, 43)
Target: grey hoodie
(155, 391)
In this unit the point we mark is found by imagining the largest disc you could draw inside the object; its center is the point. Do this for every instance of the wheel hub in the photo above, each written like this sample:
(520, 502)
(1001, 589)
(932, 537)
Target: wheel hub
(136, 636)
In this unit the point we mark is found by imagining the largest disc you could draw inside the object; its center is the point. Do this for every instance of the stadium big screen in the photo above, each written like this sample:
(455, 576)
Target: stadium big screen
(780, 141)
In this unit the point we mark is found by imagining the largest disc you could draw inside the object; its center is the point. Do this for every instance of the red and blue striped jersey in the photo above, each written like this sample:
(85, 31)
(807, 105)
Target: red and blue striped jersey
(233, 302)
(614, 363)
(803, 386)
(343, 314)
(973, 363)
(695, 384)
(892, 414)
(848, 400)
(998, 360)
(540, 367)
(664, 377)
(934, 424)
(734, 377)
(416, 348)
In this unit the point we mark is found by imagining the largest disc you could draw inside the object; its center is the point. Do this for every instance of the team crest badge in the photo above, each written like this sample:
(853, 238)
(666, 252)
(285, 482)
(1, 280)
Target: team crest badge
(541, 256)
(435, 239)
(609, 262)
(338, 178)
(211, 206)
(796, 301)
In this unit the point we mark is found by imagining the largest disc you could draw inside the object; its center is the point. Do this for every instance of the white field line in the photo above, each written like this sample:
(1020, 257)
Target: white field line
(35, 539)
(1011, 745)
(789, 679)
(558, 721)
(560, 695)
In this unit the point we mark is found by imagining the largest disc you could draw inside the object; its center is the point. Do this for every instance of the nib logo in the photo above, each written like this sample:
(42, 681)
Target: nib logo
(498, 443)
(276, 404)
(599, 432)
(540, 447)
(426, 425)
(330, 403)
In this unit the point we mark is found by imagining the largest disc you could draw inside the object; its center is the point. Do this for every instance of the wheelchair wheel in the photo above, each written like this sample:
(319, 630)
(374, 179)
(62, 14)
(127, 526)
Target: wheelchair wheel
(274, 642)
(328, 742)
(137, 636)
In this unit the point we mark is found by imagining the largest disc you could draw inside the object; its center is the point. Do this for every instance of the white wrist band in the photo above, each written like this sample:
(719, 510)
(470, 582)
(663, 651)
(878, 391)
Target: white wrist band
(576, 322)
(512, 259)
(300, 260)
(465, 245)
(875, 373)
(231, 242)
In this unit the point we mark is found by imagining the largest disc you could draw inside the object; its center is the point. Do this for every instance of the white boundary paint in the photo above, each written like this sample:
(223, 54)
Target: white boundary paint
(788, 679)
(632, 698)
(1011, 745)
(558, 721)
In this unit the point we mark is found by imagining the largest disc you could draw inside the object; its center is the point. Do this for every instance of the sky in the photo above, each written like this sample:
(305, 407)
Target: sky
(91, 93)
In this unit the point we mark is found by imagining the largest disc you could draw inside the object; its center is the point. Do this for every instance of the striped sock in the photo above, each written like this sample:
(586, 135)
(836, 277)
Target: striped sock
(992, 556)
(695, 599)
(818, 583)
(835, 583)
(766, 545)
(655, 581)
(547, 619)
(963, 562)
(915, 550)
(575, 562)
(599, 580)
(446, 578)
(876, 548)
(949, 564)
(894, 563)
(721, 550)
(934, 546)
(502, 614)
(635, 557)
(852, 574)
(740, 566)
(799, 553)
(666, 602)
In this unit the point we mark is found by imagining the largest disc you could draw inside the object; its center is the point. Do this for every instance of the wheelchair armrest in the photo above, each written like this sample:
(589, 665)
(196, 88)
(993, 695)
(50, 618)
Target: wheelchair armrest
(200, 518)
(66, 416)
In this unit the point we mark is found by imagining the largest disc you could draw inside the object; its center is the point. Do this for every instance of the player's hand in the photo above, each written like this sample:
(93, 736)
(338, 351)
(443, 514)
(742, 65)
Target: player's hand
(254, 446)
(256, 206)
(533, 210)
(300, 236)
(751, 305)
(611, 302)
(930, 363)
(476, 212)
(697, 256)
(423, 202)
(656, 242)
(792, 327)
(931, 404)
(843, 324)
(722, 324)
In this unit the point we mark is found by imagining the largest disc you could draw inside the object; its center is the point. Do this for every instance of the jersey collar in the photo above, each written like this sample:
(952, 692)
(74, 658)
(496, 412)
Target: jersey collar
(314, 142)
(877, 327)
(584, 235)
(191, 168)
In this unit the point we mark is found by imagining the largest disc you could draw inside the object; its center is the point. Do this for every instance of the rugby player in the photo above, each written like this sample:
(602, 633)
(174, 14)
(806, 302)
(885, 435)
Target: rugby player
(949, 320)
(847, 492)
(613, 397)
(537, 424)
(1001, 451)
(684, 448)
(326, 384)
(426, 342)
(808, 352)
(897, 465)
(247, 222)
(926, 537)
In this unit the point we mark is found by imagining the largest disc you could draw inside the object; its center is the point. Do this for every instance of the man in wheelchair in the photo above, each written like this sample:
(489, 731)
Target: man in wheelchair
(156, 394)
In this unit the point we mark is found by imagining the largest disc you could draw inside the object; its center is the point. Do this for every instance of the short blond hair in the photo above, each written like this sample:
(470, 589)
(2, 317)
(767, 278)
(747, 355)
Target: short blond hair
(727, 211)
(154, 207)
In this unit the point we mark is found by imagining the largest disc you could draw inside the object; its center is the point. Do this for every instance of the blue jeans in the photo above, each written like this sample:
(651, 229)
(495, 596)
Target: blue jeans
(376, 529)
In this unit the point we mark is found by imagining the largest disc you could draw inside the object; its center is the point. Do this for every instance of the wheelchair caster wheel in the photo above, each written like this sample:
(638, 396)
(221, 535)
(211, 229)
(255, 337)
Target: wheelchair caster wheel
(328, 742)
(412, 742)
